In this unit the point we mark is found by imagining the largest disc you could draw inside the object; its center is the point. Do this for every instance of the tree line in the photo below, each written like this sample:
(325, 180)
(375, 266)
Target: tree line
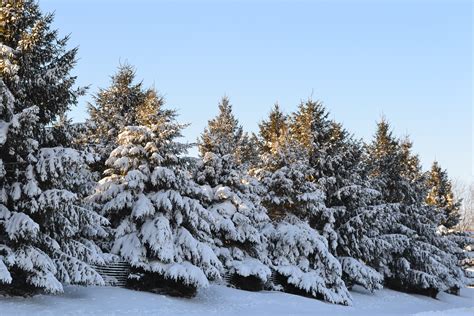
(303, 206)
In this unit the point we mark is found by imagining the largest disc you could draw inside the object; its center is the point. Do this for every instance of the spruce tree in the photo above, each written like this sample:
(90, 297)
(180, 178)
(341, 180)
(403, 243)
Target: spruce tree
(333, 157)
(365, 242)
(411, 167)
(445, 208)
(310, 126)
(300, 255)
(115, 108)
(361, 246)
(285, 172)
(336, 167)
(234, 201)
(386, 169)
(153, 205)
(8, 13)
(440, 196)
(224, 135)
(312, 130)
(273, 131)
(45, 232)
(423, 261)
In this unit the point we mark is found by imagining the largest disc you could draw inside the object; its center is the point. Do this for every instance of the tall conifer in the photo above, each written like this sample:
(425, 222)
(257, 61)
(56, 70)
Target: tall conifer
(45, 231)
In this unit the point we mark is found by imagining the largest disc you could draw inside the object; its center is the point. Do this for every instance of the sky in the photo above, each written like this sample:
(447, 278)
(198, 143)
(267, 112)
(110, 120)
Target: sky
(410, 61)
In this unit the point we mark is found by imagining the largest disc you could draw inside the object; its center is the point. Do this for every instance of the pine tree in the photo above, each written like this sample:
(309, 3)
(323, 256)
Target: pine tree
(300, 255)
(285, 171)
(329, 145)
(366, 244)
(273, 131)
(310, 126)
(41, 57)
(333, 157)
(234, 202)
(160, 226)
(410, 162)
(361, 220)
(385, 155)
(224, 135)
(311, 129)
(424, 261)
(45, 232)
(445, 208)
(335, 161)
(8, 13)
(441, 197)
(115, 108)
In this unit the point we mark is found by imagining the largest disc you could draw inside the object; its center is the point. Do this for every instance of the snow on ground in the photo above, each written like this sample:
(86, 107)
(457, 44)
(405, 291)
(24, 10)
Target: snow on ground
(220, 300)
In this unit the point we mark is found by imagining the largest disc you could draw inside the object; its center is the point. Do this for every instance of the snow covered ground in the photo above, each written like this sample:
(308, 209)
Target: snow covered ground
(220, 300)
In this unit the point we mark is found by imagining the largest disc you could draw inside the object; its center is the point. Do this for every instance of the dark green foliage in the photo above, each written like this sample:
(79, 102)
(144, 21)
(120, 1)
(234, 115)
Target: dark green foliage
(45, 233)
(440, 196)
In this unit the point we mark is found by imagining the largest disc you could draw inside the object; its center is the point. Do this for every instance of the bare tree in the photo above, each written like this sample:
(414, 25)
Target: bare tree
(465, 191)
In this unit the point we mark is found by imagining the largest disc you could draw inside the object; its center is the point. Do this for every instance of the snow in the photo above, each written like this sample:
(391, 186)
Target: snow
(143, 207)
(252, 266)
(361, 274)
(5, 276)
(183, 272)
(220, 300)
(21, 225)
(3, 131)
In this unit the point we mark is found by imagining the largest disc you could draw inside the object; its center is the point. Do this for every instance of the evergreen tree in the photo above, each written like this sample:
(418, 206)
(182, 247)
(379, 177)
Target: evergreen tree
(8, 13)
(42, 59)
(285, 172)
(411, 167)
(445, 208)
(116, 107)
(335, 161)
(332, 156)
(160, 226)
(300, 256)
(44, 231)
(310, 126)
(440, 196)
(234, 202)
(424, 261)
(384, 157)
(224, 135)
(331, 149)
(273, 131)
(361, 220)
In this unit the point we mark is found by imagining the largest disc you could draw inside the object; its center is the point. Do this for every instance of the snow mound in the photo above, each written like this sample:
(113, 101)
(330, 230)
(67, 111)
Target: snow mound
(220, 300)
(253, 267)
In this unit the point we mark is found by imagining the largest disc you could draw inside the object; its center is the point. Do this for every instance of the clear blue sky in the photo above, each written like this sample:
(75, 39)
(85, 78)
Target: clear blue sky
(408, 60)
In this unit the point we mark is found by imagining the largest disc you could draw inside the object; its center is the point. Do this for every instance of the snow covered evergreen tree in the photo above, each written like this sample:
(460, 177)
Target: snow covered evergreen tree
(424, 261)
(44, 231)
(311, 129)
(285, 172)
(233, 201)
(224, 135)
(115, 108)
(442, 200)
(335, 161)
(385, 165)
(411, 167)
(360, 221)
(300, 255)
(273, 131)
(149, 197)
(440, 196)
(8, 12)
